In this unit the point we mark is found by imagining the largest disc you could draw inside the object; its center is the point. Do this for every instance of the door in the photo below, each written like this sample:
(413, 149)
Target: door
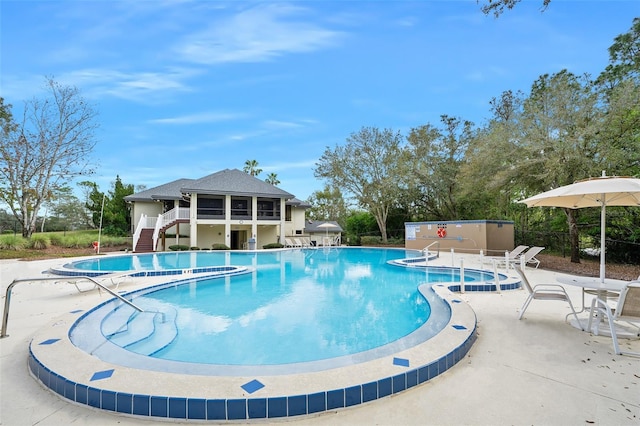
(238, 238)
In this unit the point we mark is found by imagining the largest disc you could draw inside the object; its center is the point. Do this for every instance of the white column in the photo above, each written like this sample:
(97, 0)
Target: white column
(227, 220)
(193, 220)
(283, 214)
(254, 219)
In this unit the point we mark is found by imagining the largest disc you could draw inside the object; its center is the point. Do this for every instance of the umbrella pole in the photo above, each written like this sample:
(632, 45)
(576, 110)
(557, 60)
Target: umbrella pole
(603, 223)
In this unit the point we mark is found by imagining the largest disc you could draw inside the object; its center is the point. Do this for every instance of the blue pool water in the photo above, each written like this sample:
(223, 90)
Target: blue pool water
(295, 306)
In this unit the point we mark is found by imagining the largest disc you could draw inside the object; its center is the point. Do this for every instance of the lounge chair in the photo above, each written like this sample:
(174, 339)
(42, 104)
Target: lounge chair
(510, 256)
(108, 280)
(288, 242)
(543, 292)
(516, 252)
(530, 256)
(297, 243)
(627, 310)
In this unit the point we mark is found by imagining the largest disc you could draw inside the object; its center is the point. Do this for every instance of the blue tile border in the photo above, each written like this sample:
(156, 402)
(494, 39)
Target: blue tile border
(249, 408)
(409, 373)
(218, 270)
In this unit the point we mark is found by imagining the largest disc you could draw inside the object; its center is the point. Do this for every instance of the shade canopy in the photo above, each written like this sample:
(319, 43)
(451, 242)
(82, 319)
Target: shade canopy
(595, 192)
(327, 225)
(610, 191)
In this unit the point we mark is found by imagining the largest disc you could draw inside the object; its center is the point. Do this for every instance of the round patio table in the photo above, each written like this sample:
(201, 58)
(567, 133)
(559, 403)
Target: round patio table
(610, 288)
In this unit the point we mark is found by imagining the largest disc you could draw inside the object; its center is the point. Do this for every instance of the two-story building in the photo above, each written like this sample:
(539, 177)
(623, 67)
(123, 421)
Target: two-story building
(228, 207)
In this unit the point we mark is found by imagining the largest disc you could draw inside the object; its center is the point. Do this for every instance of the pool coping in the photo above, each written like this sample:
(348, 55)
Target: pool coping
(84, 379)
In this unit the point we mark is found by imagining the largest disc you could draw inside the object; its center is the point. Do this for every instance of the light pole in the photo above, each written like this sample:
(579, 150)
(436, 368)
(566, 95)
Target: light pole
(100, 228)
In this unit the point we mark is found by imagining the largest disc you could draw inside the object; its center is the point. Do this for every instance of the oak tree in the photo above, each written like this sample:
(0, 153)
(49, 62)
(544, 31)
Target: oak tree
(44, 150)
(368, 167)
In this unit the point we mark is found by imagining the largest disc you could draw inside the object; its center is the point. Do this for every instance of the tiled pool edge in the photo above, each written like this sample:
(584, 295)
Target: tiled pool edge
(65, 272)
(243, 409)
(459, 334)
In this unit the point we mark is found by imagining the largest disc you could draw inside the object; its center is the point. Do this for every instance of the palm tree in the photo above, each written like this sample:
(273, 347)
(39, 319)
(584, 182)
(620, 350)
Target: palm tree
(272, 179)
(251, 167)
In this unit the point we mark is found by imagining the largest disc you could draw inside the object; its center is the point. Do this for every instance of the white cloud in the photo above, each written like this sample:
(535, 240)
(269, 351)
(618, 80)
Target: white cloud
(203, 117)
(256, 35)
(278, 124)
(142, 87)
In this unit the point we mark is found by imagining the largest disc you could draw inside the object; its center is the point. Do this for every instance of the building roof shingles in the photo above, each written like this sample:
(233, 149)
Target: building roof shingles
(228, 181)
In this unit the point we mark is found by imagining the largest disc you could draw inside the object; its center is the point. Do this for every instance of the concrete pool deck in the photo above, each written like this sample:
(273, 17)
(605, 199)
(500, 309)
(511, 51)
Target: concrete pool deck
(539, 370)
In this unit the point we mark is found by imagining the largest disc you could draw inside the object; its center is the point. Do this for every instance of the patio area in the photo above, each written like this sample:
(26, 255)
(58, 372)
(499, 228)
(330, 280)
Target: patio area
(539, 370)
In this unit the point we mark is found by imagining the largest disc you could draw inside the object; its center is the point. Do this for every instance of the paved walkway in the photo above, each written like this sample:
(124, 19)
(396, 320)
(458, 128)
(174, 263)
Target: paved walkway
(539, 370)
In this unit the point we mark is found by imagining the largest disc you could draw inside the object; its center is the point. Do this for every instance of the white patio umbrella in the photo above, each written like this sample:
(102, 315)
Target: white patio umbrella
(595, 192)
(326, 227)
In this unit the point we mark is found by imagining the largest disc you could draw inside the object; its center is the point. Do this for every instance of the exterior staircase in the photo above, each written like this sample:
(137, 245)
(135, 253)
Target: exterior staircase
(145, 242)
(149, 229)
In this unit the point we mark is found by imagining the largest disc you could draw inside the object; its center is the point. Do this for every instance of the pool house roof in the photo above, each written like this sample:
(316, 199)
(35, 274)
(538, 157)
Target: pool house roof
(224, 182)
(167, 191)
(234, 182)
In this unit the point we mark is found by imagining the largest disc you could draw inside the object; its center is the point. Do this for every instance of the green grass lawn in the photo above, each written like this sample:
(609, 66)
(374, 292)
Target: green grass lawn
(56, 244)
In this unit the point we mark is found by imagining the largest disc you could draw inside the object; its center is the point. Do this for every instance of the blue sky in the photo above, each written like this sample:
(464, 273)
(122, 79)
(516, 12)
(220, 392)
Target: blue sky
(187, 88)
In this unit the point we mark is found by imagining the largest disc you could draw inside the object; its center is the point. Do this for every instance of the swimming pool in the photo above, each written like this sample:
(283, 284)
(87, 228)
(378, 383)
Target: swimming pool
(345, 306)
(188, 262)
(398, 362)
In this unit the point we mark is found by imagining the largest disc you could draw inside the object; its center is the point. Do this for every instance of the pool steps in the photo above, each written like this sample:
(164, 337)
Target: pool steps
(153, 331)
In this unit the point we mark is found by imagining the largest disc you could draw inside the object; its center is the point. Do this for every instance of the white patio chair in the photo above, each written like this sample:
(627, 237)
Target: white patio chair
(530, 256)
(627, 310)
(511, 256)
(109, 280)
(516, 252)
(543, 292)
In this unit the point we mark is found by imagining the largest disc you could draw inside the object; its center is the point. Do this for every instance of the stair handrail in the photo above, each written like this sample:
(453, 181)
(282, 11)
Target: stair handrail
(167, 218)
(425, 250)
(7, 299)
(136, 235)
(156, 230)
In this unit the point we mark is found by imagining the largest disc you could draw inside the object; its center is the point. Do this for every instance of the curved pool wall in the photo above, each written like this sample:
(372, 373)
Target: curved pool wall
(85, 379)
(87, 334)
(489, 284)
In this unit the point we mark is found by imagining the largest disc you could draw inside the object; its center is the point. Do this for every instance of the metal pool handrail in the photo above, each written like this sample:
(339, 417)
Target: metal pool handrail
(7, 300)
(426, 249)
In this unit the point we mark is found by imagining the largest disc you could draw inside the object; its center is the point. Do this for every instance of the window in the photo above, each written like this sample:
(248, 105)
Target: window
(240, 208)
(268, 208)
(210, 207)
